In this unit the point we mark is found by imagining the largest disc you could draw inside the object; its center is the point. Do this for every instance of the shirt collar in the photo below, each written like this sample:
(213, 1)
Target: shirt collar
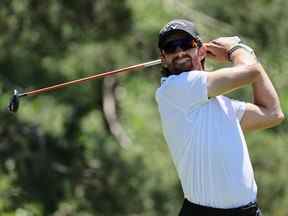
(163, 79)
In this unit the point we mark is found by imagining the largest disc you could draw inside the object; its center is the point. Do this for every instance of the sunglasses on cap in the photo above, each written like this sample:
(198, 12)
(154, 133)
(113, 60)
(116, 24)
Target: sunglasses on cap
(183, 43)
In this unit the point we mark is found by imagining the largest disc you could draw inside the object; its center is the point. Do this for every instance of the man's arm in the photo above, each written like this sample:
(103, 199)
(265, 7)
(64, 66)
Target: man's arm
(225, 80)
(265, 111)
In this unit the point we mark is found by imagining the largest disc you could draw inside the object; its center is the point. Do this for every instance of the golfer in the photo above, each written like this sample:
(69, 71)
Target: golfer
(203, 128)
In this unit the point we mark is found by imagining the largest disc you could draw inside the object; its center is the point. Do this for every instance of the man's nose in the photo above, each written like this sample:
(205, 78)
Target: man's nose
(179, 50)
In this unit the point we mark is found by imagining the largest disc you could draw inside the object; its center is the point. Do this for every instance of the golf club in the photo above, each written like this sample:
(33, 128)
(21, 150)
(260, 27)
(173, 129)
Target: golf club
(15, 99)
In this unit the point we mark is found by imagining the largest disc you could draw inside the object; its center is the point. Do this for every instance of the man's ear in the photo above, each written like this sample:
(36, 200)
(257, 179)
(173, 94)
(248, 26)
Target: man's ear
(162, 57)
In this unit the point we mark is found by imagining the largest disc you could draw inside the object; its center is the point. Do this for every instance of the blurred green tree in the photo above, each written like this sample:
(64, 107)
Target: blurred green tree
(59, 155)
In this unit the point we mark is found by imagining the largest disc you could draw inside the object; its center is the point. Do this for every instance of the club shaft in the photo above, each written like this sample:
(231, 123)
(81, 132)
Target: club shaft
(93, 77)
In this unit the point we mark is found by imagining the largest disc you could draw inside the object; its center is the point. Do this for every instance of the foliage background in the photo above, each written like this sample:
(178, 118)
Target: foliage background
(97, 149)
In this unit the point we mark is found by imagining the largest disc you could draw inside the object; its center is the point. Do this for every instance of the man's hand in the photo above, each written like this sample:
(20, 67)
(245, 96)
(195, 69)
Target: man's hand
(218, 49)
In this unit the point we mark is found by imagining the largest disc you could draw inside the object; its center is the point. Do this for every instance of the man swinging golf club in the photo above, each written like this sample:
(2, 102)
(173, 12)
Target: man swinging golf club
(203, 129)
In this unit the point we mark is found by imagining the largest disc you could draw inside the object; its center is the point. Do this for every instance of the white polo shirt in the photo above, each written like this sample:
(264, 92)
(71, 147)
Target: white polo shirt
(206, 142)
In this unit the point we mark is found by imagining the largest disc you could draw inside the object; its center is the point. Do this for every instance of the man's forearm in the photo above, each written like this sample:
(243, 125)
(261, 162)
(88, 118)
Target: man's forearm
(264, 93)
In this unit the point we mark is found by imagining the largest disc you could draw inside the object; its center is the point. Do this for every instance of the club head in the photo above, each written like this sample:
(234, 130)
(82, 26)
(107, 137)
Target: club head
(14, 102)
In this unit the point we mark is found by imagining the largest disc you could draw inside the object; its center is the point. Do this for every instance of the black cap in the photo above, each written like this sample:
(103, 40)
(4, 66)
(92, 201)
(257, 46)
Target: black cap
(178, 25)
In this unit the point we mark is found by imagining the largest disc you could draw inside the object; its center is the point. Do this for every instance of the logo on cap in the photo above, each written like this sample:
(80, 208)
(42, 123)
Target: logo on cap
(174, 25)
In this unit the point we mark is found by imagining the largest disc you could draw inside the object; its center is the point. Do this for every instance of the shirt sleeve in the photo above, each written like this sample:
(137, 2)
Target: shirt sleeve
(239, 108)
(186, 89)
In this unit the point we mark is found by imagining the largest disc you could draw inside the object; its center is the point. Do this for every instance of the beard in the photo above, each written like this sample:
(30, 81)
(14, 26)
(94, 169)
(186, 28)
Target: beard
(182, 64)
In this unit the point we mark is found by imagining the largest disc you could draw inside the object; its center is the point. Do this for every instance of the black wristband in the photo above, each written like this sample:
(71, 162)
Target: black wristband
(238, 46)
